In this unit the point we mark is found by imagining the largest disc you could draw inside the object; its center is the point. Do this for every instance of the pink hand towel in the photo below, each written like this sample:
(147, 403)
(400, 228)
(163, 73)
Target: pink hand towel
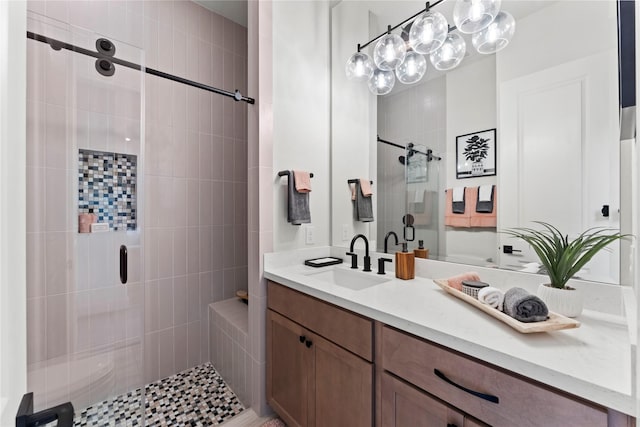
(365, 187)
(456, 281)
(303, 181)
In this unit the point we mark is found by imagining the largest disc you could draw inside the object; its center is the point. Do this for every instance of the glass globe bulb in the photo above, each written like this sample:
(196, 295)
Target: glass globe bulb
(450, 53)
(389, 52)
(496, 36)
(428, 32)
(412, 68)
(471, 16)
(359, 67)
(381, 82)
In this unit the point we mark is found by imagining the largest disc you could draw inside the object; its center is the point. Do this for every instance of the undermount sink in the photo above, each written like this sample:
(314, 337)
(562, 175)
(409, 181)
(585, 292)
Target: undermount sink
(350, 279)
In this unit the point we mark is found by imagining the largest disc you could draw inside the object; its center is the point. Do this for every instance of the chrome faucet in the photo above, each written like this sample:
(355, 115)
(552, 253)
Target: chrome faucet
(354, 257)
(386, 238)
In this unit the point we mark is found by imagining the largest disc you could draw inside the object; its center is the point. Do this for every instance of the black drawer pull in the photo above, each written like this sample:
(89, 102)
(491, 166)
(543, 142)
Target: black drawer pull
(489, 397)
(123, 264)
(303, 338)
(308, 343)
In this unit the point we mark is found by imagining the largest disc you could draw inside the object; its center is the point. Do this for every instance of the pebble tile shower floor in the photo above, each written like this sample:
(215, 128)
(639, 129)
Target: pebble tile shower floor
(195, 397)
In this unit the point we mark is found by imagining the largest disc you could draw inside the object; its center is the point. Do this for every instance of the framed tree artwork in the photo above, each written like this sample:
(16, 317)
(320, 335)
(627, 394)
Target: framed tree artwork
(476, 154)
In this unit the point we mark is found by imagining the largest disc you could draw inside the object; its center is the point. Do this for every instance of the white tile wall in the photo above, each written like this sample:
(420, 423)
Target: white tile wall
(194, 192)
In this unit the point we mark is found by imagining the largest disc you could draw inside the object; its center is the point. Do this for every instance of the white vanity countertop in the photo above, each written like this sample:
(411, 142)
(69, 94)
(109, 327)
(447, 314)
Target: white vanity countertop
(593, 361)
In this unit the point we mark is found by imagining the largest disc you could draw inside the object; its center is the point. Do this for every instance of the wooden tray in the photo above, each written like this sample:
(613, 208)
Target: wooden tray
(555, 322)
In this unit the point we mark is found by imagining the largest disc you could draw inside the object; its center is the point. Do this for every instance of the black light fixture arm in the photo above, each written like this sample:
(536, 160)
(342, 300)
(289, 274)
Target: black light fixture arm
(57, 45)
(390, 28)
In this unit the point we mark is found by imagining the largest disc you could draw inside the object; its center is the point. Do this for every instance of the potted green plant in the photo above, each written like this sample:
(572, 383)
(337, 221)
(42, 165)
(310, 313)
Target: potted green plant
(562, 259)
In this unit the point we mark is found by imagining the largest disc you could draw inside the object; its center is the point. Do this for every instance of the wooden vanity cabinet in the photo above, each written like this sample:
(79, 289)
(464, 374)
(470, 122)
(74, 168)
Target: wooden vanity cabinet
(320, 372)
(494, 396)
(311, 380)
(404, 405)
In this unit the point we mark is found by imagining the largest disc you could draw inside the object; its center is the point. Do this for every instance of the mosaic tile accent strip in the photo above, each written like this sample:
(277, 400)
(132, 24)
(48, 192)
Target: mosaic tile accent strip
(195, 397)
(107, 186)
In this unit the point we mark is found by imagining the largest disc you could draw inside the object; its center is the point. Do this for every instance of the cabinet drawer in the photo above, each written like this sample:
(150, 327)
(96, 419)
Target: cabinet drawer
(519, 402)
(347, 329)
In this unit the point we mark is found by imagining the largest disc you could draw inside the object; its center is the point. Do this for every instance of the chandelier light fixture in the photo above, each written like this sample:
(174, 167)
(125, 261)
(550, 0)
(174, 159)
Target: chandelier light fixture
(496, 36)
(403, 58)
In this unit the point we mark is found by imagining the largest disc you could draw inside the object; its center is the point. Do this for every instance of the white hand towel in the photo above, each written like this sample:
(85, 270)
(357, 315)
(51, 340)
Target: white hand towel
(458, 194)
(485, 193)
(491, 296)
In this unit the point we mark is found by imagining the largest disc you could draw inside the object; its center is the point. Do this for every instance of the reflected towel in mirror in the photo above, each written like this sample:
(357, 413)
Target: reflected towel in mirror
(362, 206)
(458, 201)
(485, 199)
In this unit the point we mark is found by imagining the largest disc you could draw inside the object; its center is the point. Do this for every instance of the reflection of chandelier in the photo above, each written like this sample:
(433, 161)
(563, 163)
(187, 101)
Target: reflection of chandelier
(429, 34)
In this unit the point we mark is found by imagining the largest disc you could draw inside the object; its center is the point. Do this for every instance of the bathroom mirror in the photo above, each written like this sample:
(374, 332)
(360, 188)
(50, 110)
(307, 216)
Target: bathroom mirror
(551, 95)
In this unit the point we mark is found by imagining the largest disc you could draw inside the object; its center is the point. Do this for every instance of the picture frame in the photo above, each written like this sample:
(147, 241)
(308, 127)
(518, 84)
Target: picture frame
(476, 154)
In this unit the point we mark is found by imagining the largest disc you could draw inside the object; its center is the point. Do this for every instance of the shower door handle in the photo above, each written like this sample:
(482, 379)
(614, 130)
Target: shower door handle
(123, 264)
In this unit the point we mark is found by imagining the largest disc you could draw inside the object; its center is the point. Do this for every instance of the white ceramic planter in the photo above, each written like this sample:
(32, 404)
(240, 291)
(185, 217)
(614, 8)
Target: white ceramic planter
(567, 302)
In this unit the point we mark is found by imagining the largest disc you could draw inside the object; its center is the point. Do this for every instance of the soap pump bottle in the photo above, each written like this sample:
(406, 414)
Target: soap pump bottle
(421, 252)
(405, 263)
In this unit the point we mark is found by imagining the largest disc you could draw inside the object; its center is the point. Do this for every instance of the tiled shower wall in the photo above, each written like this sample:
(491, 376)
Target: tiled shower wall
(401, 122)
(195, 178)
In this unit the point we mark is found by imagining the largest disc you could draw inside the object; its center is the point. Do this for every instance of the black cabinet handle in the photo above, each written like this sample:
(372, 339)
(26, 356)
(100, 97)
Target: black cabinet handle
(302, 338)
(123, 264)
(308, 343)
(489, 397)
(451, 425)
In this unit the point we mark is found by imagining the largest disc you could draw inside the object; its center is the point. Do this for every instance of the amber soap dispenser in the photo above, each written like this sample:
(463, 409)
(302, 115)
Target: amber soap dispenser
(405, 264)
(421, 252)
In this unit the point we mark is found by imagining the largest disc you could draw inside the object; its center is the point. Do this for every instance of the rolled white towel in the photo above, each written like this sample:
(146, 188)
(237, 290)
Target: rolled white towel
(491, 296)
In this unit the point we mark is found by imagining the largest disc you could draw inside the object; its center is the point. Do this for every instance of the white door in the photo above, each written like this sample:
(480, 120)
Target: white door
(558, 156)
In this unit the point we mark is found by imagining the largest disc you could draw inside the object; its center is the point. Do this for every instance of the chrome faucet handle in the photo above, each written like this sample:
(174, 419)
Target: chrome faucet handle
(381, 262)
(354, 259)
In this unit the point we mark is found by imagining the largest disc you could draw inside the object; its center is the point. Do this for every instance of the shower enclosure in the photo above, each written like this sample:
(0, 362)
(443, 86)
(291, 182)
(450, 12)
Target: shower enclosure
(408, 179)
(85, 142)
(422, 173)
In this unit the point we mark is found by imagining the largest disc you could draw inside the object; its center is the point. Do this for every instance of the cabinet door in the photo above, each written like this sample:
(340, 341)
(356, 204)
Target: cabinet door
(406, 406)
(343, 387)
(289, 363)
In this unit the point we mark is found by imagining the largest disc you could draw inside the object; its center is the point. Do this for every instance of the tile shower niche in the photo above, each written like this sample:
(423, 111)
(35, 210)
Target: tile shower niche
(107, 188)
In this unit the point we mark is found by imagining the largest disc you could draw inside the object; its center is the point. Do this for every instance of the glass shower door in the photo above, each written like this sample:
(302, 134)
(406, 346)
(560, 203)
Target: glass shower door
(85, 281)
(422, 178)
